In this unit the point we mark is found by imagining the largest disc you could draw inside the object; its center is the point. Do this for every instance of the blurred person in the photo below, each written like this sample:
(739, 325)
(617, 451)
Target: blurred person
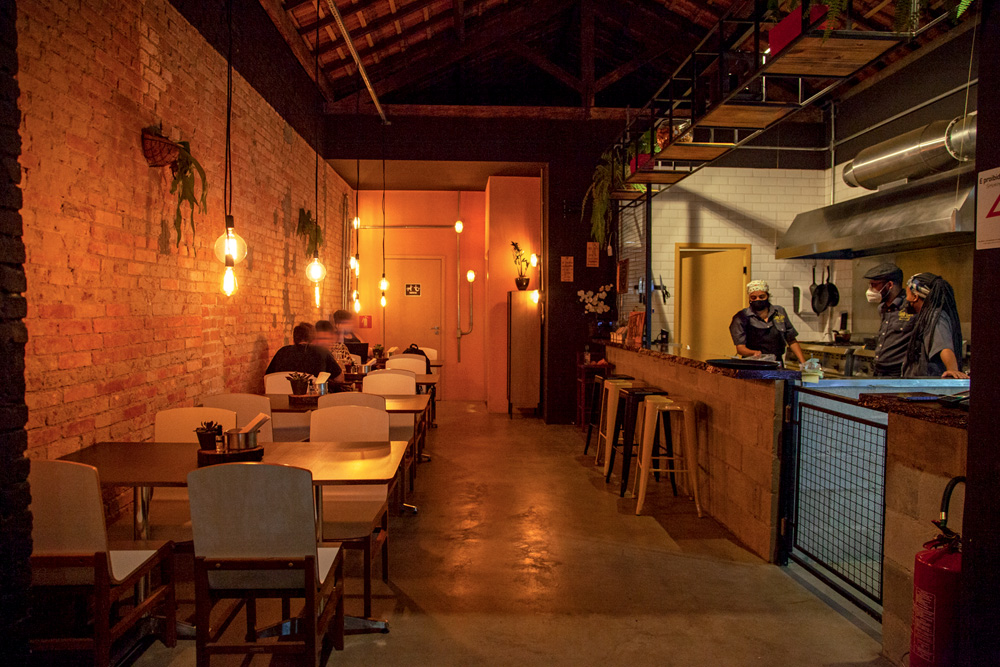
(345, 323)
(304, 357)
(328, 337)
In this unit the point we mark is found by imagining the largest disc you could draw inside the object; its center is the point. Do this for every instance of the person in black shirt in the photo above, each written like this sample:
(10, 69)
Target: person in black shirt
(764, 328)
(935, 348)
(303, 357)
(885, 287)
(343, 320)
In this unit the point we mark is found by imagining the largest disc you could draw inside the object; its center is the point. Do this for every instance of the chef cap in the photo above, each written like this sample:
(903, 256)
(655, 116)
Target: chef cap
(757, 286)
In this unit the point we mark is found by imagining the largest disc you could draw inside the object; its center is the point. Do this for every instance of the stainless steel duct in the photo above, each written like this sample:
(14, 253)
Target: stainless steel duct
(936, 147)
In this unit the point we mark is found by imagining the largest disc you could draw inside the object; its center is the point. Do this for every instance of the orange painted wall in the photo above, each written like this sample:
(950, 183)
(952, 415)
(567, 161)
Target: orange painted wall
(460, 381)
(513, 213)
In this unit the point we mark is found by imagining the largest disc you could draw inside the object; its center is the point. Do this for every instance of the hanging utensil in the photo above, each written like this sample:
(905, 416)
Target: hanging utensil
(834, 297)
(820, 296)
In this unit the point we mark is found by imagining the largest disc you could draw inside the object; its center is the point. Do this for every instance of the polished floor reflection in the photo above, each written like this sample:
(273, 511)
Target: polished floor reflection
(521, 555)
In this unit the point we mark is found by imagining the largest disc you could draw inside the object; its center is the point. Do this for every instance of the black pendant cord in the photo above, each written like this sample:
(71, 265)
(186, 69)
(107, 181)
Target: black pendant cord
(383, 202)
(227, 185)
(319, 111)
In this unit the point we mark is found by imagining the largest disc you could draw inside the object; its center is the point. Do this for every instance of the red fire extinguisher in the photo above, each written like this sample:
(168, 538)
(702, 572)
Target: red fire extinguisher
(936, 574)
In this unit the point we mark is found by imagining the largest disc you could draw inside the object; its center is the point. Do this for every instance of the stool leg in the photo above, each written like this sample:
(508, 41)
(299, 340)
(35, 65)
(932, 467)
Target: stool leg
(596, 410)
(649, 432)
(630, 429)
(610, 445)
(668, 439)
(690, 455)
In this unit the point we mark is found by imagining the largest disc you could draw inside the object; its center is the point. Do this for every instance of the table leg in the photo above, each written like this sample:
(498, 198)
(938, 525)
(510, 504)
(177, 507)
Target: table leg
(141, 497)
(420, 423)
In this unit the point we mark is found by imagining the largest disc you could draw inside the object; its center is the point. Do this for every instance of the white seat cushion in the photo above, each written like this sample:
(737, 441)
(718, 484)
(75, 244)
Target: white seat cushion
(324, 561)
(124, 563)
(350, 519)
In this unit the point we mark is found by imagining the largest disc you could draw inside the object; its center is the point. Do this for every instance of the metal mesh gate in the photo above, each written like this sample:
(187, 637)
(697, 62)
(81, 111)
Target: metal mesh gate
(839, 502)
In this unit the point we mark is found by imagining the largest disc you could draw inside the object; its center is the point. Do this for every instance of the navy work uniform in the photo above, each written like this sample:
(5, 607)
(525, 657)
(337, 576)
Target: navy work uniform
(769, 334)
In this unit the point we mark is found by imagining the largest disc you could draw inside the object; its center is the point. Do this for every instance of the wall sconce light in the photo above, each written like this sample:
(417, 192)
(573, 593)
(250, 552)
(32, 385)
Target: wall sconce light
(533, 260)
(470, 276)
(534, 296)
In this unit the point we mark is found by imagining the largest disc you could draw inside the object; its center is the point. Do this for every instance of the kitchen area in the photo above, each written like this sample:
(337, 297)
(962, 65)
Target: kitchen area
(839, 470)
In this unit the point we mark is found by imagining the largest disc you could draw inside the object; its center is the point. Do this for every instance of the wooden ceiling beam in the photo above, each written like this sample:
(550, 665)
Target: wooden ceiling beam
(470, 111)
(381, 46)
(360, 36)
(587, 52)
(546, 65)
(447, 52)
(459, 11)
(283, 22)
(292, 5)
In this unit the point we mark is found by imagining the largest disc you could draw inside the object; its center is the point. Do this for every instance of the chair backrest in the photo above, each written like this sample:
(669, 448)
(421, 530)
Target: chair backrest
(408, 362)
(277, 383)
(390, 382)
(178, 424)
(391, 351)
(252, 510)
(431, 353)
(246, 407)
(349, 423)
(351, 398)
(68, 518)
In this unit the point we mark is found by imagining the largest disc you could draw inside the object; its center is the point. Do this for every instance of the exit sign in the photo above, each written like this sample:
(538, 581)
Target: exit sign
(364, 321)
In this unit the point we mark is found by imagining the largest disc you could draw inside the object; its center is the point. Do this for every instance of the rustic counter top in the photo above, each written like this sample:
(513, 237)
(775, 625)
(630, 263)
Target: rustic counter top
(930, 411)
(779, 374)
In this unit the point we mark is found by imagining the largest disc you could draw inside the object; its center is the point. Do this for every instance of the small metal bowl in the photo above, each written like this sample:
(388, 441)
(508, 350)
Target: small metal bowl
(236, 441)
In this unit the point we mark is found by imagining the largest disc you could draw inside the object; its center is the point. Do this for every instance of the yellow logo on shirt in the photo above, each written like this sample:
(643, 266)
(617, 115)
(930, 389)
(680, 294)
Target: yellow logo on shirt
(905, 316)
(779, 318)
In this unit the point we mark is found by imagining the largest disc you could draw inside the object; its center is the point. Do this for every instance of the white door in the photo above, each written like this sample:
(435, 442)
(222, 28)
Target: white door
(414, 310)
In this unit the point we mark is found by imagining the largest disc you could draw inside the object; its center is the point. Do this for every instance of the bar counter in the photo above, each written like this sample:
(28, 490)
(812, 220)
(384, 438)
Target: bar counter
(740, 420)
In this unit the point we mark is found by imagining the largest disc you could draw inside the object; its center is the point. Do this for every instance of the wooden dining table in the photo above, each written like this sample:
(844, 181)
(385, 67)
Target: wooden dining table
(146, 465)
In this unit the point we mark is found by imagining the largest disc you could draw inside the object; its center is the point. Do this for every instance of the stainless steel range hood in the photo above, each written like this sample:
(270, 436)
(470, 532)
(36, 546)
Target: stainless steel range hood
(934, 211)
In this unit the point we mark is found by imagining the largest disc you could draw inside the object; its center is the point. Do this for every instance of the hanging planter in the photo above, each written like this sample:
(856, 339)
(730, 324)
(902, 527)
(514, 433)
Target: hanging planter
(157, 149)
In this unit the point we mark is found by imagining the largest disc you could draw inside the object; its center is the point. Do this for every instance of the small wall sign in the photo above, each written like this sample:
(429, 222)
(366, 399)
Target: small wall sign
(593, 254)
(566, 269)
(412, 289)
(988, 210)
(364, 321)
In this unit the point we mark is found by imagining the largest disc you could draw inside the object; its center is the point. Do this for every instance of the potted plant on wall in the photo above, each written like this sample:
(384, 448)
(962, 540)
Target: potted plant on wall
(521, 264)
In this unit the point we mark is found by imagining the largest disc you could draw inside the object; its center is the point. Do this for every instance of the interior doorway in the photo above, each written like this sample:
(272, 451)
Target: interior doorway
(711, 279)
(415, 311)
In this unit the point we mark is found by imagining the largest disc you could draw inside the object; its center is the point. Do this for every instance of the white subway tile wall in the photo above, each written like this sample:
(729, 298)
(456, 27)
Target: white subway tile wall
(739, 206)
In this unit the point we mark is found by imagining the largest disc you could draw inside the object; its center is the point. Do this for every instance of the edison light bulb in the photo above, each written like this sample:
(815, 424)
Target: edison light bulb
(533, 259)
(230, 243)
(356, 222)
(459, 226)
(354, 262)
(354, 295)
(357, 270)
(470, 276)
(357, 305)
(534, 296)
(317, 295)
(383, 299)
(383, 284)
(315, 271)
(229, 281)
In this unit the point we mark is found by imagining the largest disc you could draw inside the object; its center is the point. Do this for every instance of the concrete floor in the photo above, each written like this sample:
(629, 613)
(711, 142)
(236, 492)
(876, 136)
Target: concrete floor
(521, 555)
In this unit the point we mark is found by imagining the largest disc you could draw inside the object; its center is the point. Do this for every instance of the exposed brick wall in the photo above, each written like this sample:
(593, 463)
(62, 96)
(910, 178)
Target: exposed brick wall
(123, 322)
(15, 520)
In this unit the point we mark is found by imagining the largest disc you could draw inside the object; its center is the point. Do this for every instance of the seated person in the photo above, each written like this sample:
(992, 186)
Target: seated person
(303, 357)
(343, 320)
(327, 336)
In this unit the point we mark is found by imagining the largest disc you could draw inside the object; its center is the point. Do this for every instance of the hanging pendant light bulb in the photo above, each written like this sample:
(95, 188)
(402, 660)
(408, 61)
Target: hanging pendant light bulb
(356, 222)
(383, 299)
(229, 278)
(383, 284)
(354, 262)
(317, 295)
(357, 304)
(459, 226)
(230, 243)
(470, 276)
(315, 270)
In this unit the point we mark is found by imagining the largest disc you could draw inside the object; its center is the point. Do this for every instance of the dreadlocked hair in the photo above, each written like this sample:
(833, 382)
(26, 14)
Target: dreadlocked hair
(940, 301)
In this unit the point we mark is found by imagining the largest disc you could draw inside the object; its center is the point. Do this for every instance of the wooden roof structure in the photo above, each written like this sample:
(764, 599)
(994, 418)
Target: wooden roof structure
(539, 58)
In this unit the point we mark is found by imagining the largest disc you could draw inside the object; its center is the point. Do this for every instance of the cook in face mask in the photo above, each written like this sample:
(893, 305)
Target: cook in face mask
(762, 327)
(885, 288)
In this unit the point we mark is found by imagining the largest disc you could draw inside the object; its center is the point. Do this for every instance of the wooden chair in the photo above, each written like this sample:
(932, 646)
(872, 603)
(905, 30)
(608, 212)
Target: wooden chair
(287, 426)
(169, 512)
(70, 555)
(351, 398)
(255, 537)
(356, 516)
(408, 362)
(398, 381)
(246, 407)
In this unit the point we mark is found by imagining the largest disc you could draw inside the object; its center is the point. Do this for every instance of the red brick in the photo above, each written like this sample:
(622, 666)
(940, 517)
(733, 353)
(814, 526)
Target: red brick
(74, 360)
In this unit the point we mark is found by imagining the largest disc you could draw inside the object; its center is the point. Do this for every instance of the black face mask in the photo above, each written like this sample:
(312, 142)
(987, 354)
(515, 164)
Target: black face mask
(758, 306)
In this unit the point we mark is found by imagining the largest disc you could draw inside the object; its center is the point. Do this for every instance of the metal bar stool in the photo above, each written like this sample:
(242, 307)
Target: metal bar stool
(610, 406)
(597, 404)
(658, 410)
(630, 416)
